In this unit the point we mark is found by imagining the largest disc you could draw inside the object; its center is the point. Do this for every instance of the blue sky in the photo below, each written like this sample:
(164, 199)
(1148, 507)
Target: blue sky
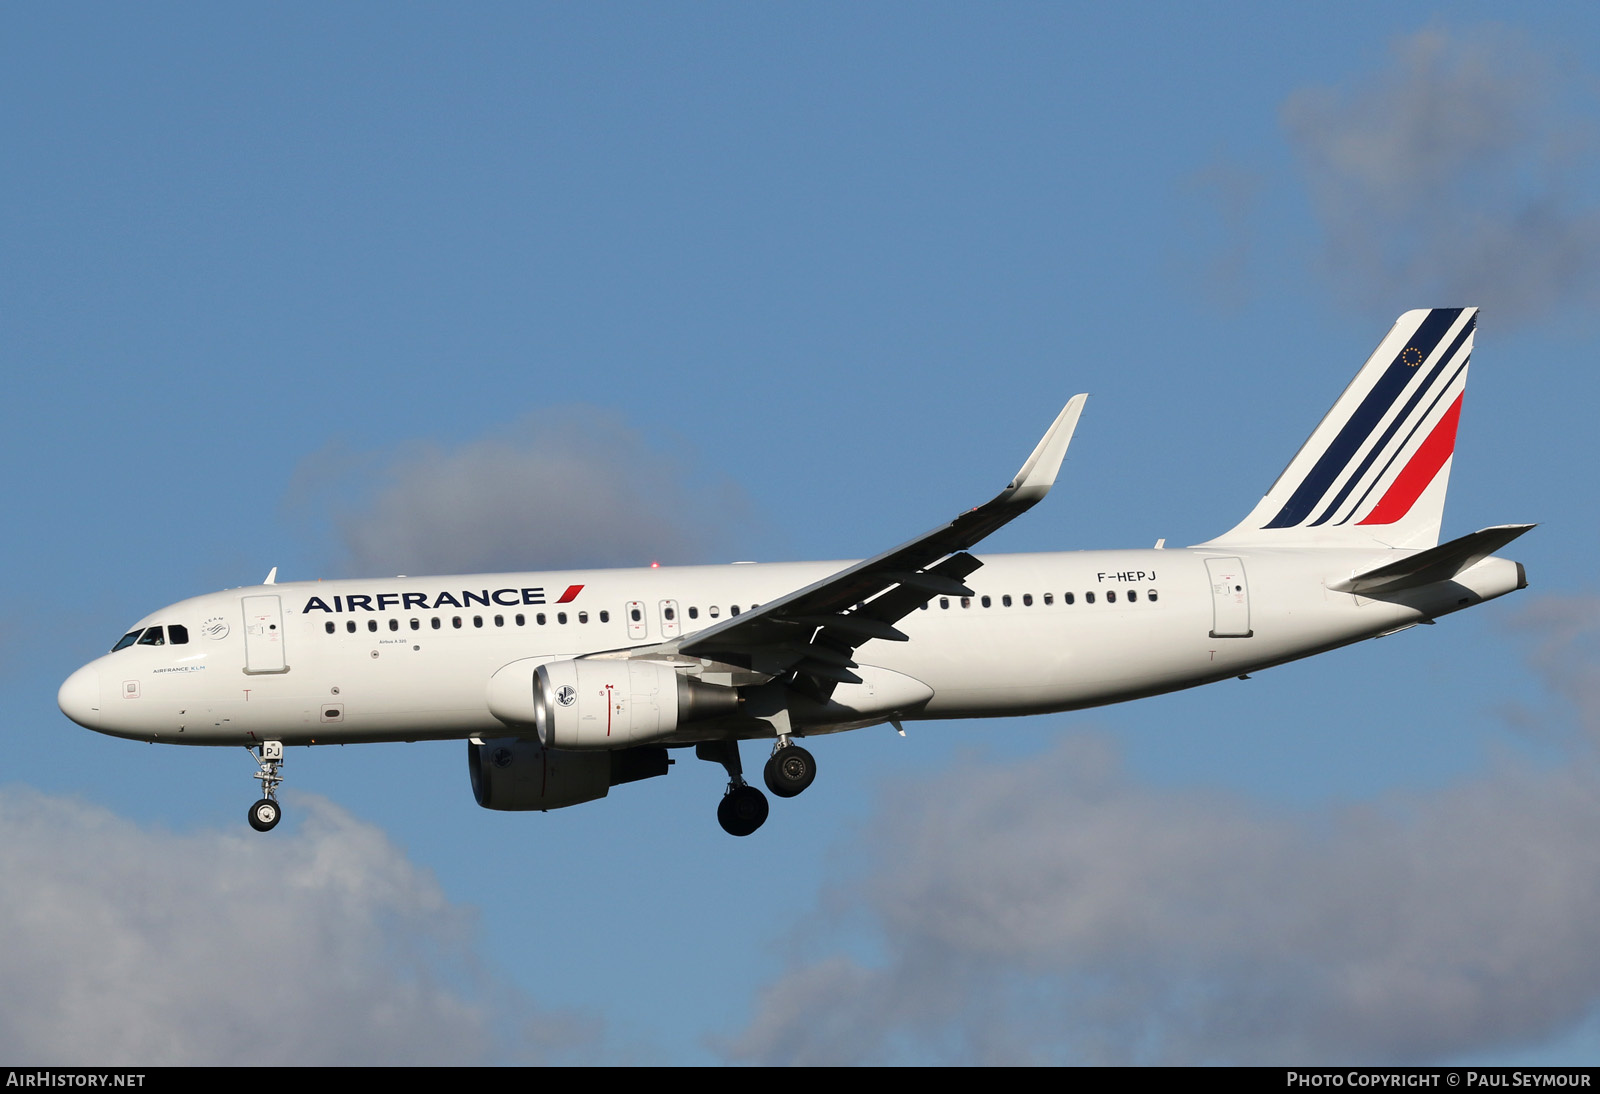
(378, 288)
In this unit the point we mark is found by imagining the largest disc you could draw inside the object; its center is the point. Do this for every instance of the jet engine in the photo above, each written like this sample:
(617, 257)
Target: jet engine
(583, 703)
(510, 773)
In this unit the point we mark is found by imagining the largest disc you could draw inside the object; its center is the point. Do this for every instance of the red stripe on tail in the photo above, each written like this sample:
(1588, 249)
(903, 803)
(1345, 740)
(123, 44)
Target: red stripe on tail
(1414, 479)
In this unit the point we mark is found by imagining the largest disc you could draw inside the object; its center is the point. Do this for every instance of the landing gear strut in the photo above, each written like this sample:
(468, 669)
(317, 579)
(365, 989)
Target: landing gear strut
(743, 808)
(789, 770)
(265, 814)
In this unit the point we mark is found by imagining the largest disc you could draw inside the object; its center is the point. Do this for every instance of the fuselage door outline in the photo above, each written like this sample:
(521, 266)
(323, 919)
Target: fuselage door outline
(1230, 598)
(263, 635)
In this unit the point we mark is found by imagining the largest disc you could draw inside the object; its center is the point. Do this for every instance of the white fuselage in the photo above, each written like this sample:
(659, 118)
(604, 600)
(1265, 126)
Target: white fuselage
(411, 658)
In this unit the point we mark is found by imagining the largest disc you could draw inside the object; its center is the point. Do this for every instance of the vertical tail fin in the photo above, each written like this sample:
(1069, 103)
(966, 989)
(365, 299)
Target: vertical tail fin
(1374, 473)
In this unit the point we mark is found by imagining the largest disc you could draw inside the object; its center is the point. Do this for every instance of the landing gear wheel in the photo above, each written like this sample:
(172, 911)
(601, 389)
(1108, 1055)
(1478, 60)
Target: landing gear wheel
(742, 810)
(264, 815)
(789, 771)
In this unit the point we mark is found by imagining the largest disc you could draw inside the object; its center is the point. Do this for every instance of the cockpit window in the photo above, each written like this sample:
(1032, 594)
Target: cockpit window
(126, 640)
(178, 634)
(153, 637)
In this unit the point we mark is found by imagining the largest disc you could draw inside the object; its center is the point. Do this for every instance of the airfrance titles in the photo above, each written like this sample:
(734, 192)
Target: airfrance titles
(405, 602)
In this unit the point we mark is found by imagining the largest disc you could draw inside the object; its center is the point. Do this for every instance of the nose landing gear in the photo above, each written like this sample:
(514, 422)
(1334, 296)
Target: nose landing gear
(265, 814)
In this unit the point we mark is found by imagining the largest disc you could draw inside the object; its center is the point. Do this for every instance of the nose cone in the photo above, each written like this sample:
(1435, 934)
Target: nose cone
(79, 697)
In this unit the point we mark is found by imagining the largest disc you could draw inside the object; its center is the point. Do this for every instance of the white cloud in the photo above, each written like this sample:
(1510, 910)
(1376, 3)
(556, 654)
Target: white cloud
(1054, 910)
(1566, 655)
(1454, 176)
(322, 944)
(578, 489)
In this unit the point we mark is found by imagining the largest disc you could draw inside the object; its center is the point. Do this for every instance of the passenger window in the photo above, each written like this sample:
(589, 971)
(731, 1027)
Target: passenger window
(1133, 594)
(329, 626)
(1005, 601)
(714, 611)
(966, 602)
(605, 616)
(694, 613)
(1049, 599)
(455, 621)
(583, 617)
(435, 622)
(1152, 595)
(350, 625)
(561, 617)
(394, 624)
(522, 620)
(477, 621)
(1067, 598)
(986, 602)
(177, 634)
(372, 624)
(1027, 600)
(499, 620)
(153, 637)
(635, 615)
(1088, 598)
(669, 614)
(944, 602)
(539, 619)
(1111, 596)
(734, 610)
(416, 624)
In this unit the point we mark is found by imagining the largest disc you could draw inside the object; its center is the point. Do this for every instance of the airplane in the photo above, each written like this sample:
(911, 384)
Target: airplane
(566, 684)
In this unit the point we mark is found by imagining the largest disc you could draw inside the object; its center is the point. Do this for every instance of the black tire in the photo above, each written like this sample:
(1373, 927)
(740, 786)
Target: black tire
(789, 771)
(265, 815)
(742, 810)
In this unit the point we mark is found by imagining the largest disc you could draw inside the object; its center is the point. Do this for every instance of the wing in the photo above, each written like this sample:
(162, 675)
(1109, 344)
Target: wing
(813, 632)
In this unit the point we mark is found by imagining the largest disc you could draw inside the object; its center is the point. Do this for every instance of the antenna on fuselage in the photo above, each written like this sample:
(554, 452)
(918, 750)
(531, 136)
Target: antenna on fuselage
(272, 577)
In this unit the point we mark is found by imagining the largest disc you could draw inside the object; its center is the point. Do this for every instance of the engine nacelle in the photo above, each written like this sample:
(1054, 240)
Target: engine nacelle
(515, 774)
(589, 704)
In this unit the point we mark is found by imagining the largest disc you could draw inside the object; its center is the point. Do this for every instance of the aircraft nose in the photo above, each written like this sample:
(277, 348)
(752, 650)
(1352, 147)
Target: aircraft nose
(79, 697)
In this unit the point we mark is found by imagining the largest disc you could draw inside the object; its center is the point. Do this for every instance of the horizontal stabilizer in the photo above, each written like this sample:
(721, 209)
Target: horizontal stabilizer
(1439, 563)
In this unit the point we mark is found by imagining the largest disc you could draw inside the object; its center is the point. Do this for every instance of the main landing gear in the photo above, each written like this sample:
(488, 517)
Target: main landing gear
(265, 814)
(743, 808)
(789, 769)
